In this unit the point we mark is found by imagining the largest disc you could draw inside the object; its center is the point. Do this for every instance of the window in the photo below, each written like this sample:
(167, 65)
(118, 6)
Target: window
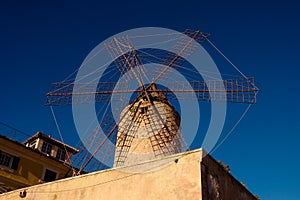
(61, 154)
(46, 148)
(5, 159)
(49, 175)
(9, 160)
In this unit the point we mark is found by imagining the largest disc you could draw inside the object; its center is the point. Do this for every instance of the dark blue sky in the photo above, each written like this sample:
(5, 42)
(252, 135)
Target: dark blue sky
(44, 42)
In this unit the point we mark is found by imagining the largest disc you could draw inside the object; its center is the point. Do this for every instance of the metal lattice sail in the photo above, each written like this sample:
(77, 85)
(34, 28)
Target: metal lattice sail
(149, 127)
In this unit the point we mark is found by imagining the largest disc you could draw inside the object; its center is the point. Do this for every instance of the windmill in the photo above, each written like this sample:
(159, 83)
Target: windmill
(148, 126)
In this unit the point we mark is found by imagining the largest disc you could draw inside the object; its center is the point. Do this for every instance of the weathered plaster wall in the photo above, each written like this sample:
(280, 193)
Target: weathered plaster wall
(187, 176)
(178, 180)
(219, 184)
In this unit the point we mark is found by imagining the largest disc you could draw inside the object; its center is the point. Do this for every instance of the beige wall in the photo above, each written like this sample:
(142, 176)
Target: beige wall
(180, 179)
(218, 183)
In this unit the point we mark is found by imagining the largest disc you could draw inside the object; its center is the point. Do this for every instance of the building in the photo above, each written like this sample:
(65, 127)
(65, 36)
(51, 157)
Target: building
(51, 147)
(148, 130)
(191, 175)
(39, 159)
(147, 164)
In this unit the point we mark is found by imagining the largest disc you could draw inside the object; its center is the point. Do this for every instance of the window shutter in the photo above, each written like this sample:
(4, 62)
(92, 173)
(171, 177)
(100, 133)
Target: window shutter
(15, 163)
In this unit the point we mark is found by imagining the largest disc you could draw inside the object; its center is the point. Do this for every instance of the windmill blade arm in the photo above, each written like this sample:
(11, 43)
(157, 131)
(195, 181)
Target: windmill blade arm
(62, 93)
(236, 91)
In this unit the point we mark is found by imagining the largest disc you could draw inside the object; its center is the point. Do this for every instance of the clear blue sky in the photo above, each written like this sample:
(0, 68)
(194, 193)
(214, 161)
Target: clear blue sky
(44, 42)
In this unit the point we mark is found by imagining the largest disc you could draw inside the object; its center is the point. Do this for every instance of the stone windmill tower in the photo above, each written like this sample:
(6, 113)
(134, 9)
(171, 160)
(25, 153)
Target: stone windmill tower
(149, 130)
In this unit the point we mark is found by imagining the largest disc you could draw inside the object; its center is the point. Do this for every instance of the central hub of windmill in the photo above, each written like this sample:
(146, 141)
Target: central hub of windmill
(149, 129)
